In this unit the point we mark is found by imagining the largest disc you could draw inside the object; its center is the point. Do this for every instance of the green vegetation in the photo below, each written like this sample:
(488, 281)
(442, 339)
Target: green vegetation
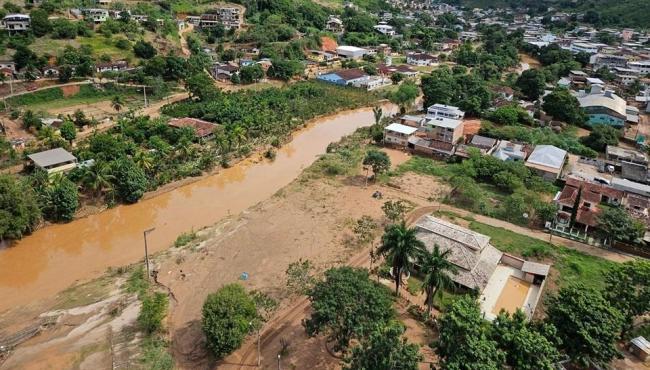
(185, 239)
(54, 97)
(152, 312)
(617, 223)
(155, 355)
(573, 266)
(226, 319)
(348, 306)
(400, 247)
(385, 349)
(19, 211)
(566, 140)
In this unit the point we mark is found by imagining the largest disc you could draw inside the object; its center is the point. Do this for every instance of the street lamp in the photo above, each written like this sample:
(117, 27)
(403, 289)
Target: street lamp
(146, 251)
(279, 362)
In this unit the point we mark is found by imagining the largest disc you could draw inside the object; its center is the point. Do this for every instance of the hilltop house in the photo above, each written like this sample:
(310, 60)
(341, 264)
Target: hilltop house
(334, 24)
(13, 23)
(385, 29)
(117, 66)
(603, 107)
(224, 71)
(421, 59)
(96, 15)
(445, 111)
(507, 151)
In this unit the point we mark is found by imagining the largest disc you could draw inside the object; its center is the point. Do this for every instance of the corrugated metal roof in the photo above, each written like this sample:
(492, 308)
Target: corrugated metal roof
(51, 157)
(548, 156)
(402, 129)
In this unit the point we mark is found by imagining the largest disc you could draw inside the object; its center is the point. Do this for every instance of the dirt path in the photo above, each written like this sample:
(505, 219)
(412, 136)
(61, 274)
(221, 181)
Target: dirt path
(184, 48)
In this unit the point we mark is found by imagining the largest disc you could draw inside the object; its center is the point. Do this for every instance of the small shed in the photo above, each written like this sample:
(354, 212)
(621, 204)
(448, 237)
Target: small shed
(54, 160)
(203, 129)
(640, 347)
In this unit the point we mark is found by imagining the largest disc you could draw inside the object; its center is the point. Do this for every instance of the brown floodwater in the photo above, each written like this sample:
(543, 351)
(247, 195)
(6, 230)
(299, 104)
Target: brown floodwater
(53, 258)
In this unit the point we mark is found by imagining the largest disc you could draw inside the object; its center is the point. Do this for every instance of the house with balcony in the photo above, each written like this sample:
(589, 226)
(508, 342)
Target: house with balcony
(334, 24)
(96, 15)
(579, 203)
(445, 111)
(421, 59)
(385, 29)
(398, 135)
(16, 23)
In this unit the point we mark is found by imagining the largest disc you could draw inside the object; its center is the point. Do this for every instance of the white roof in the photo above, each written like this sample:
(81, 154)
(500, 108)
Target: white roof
(608, 100)
(548, 156)
(595, 81)
(352, 49)
(630, 186)
(443, 122)
(402, 129)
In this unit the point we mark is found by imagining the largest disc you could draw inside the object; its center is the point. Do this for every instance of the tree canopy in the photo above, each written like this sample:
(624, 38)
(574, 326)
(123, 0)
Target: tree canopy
(19, 211)
(619, 225)
(378, 160)
(226, 319)
(601, 136)
(385, 349)
(348, 305)
(563, 106)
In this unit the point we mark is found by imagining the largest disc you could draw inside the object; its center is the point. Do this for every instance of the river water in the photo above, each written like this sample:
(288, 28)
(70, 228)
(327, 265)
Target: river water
(53, 258)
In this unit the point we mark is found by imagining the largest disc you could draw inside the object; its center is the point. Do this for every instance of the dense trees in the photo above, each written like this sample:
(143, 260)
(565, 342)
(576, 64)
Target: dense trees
(526, 348)
(250, 74)
(226, 318)
(564, 107)
(60, 199)
(467, 91)
(405, 96)
(144, 49)
(628, 290)
(531, 84)
(601, 136)
(19, 211)
(347, 305)
(465, 341)
(587, 323)
(385, 349)
(401, 247)
(130, 180)
(617, 224)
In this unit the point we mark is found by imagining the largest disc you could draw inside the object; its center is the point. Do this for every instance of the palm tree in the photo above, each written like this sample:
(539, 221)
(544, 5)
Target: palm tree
(378, 112)
(144, 160)
(237, 135)
(437, 270)
(117, 103)
(97, 178)
(401, 247)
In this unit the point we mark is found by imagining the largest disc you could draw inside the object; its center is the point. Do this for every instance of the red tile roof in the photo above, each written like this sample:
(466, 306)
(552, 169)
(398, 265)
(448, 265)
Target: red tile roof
(202, 128)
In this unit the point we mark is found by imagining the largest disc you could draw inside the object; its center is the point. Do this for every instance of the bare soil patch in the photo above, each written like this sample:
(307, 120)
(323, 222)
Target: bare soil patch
(70, 90)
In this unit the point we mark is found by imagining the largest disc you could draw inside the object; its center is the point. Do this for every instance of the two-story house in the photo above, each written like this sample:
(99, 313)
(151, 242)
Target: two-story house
(14, 23)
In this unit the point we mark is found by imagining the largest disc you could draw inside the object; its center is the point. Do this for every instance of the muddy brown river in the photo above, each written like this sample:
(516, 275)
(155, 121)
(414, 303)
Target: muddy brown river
(53, 258)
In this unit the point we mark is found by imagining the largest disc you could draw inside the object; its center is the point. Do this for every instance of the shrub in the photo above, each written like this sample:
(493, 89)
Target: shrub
(227, 315)
(153, 311)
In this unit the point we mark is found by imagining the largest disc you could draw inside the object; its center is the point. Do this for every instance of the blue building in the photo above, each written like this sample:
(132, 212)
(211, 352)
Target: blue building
(603, 107)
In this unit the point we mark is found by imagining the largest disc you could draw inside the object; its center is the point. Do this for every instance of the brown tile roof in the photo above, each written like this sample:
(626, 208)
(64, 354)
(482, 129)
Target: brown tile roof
(202, 128)
(351, 74)
(588, 216)
(568, 195)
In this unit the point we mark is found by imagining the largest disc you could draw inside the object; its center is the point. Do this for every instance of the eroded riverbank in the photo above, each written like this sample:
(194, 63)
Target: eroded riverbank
(53, 258)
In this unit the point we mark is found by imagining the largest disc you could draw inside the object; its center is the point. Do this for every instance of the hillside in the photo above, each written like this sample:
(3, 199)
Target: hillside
(624, 13)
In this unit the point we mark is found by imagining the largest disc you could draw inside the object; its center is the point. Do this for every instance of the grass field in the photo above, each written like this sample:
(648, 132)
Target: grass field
(54, 98)
(573, 266)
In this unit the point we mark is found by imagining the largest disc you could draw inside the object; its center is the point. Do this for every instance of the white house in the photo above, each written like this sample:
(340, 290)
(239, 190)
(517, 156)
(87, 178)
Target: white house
(445, 111)
(16, 23)
(385, 29)
(547, 161)
(398, 134)
(642, 66)
(96, 15)
(351, 52)
(421, 59)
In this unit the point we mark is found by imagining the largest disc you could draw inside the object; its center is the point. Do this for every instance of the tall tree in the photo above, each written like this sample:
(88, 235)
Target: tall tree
(464, 342)
(117, 103)
(19, 211)
(405, 96)
(385, 349)
(378, 160)
(437, 270)
(378, 113)
(531, 84)
(61, 199)
(618, 224)
(348, 305)
(587, 323)
(68, 131)
(525, 347)
(564, 107)
(401, 247)
(628, 289)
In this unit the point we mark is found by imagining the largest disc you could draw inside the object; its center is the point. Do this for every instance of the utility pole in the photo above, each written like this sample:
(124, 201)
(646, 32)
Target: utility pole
(279, 368)
(146, 251)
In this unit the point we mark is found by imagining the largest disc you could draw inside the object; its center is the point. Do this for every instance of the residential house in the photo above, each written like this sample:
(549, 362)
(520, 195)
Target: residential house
(8, 65)
(117, 66)
(507, 151)
(640, 347)
(96, 15)
(54, 160)
(50, 71)
(641, 66)
(194, 20)
(445, 111)
(631, 187)
(354, 76)
(547, 161)
(224, 71)
(14, 23)
(403, 69)
(334, 24)
(351, 52)
(586, 47)
(603, 107)
(385, 29)
(230, 16)
(484, 269)
(444, 129)
(398, 135)
(413, 121)
(203, 129)
(421, 59)
(625, 76)
(482, 144)
(607, 60)
(580, 200)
